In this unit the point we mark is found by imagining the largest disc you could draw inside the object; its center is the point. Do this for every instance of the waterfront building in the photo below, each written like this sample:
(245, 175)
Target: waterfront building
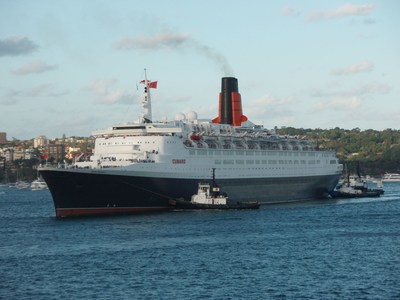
(39, 141)
(3, 137)
(57, 152)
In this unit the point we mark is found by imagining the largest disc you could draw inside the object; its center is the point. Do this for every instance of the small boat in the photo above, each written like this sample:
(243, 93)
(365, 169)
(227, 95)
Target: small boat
(21, 185)
(38, 185)
(209, 196)
(391, 177)
(355, 187)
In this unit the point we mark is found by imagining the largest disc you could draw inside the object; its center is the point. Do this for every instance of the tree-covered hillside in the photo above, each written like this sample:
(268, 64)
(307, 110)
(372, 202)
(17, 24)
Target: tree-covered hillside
(376, 152)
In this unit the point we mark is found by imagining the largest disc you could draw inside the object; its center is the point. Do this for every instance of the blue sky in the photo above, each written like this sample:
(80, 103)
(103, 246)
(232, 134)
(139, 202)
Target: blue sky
(69, 67)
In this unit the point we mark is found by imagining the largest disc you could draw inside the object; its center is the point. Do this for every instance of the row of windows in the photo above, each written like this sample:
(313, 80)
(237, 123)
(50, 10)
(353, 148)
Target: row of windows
(250, 153)
(125, 143)
(265, 162)
(133, 143)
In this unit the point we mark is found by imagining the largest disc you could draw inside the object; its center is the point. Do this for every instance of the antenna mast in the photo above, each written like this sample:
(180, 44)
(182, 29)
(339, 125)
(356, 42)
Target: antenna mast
(146, 101)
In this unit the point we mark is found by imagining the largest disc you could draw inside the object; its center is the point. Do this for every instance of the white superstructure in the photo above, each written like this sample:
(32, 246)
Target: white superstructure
(191, 147)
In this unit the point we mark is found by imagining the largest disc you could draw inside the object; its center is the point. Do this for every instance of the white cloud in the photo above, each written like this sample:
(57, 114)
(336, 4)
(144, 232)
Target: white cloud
(271, 111)
(269, 106)
(339, 104)
(360, 67)
(374, 88)
(268, 100)
(100, 86)
(342, 11)
(13, 96)
(17, 46)
(105, 93)
(34, 68)
(361, 90)
(116, 97)
(153, 42)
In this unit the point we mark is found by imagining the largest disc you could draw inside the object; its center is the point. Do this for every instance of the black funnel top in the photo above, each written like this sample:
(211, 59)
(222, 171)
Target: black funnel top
(229, 85)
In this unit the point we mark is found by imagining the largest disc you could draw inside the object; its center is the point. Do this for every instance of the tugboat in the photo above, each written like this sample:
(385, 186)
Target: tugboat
(210, 197)
(355, 187)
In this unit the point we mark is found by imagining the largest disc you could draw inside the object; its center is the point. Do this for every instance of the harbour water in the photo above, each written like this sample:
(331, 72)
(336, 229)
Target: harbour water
(334, 249)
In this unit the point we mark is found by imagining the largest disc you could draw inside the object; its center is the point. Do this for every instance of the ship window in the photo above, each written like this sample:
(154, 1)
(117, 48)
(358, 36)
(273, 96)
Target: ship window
(264, 162)
(303, 162)
(249, 153)
(239, 152)
(201, 152)
(228, 161)
(192, 152)
(249, 162)
(333, 161)
(257, 162)
(217, 162)
(240, 161)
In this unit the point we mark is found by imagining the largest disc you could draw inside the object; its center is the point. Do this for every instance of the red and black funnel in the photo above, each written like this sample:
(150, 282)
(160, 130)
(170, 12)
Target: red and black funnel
(230, 103)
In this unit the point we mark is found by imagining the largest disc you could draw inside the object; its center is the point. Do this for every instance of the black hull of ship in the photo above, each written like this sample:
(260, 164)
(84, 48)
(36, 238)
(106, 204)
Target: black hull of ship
(82, 193)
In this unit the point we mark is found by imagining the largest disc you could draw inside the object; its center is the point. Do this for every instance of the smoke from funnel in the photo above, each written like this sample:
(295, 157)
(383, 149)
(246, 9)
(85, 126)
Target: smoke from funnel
(173, 40)
(214, 56)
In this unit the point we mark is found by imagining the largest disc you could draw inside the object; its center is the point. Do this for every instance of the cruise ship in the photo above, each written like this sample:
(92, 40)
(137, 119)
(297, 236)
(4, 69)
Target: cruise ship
(141, 166)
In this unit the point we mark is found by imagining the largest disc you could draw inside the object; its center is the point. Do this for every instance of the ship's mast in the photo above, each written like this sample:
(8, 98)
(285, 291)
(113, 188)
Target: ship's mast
(146, 101)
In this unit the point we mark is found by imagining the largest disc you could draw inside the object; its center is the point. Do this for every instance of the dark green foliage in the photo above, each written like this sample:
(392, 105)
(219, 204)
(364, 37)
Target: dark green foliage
(376, 152)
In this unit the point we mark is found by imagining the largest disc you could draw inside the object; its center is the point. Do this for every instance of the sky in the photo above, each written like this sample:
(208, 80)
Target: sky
(71, 67)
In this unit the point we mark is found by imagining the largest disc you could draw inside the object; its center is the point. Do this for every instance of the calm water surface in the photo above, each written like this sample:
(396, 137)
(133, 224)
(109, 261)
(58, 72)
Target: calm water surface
(347, 249)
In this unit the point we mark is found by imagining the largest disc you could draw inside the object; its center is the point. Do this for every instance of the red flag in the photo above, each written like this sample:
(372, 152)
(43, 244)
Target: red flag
(45, 156)
(150, 84)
